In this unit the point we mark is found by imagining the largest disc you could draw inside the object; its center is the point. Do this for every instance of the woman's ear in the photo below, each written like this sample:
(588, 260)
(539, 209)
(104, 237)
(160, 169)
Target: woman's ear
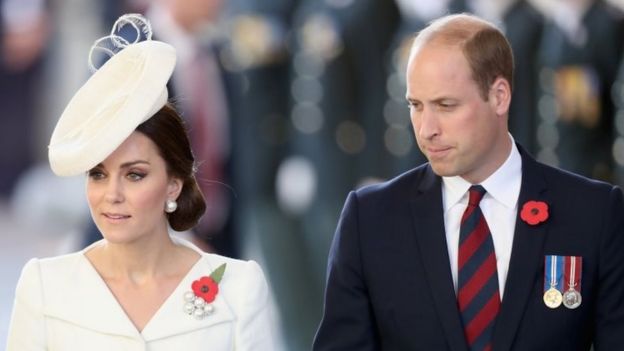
(174, 188)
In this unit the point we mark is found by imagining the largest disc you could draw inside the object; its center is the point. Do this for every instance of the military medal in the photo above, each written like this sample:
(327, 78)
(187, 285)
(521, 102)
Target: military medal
(553, 298)
(552, 279)
(572, 297)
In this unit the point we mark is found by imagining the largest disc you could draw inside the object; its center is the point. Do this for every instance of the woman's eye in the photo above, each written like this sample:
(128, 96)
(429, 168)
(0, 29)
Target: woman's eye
(135, 176)
(96, 175)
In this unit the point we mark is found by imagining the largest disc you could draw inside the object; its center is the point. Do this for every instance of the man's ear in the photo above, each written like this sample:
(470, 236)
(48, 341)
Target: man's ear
(500, 96)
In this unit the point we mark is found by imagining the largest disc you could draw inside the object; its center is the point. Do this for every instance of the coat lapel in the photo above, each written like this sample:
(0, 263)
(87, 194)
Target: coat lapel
(82, 298)
(427, 213)
(526, 257)
(171, 320)
(76, 294)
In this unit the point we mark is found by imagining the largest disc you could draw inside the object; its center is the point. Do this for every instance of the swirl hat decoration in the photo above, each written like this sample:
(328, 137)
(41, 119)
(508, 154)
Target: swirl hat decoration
(125, 91)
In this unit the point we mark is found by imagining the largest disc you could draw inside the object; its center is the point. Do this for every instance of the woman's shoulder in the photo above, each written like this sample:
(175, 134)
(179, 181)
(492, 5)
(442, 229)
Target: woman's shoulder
(241, 284)
(48, 277)
(232, 263)
(243, 288)
(53, 264)
(236, 271)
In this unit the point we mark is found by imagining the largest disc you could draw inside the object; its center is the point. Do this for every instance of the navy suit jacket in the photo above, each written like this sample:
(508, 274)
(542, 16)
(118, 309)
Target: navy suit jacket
(389, 284)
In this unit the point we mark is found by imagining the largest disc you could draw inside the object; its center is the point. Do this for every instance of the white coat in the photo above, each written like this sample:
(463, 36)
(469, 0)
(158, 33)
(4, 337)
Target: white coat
(62, 303)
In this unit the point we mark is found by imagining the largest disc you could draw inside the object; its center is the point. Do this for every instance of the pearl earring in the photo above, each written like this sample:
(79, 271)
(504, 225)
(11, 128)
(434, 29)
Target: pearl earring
(171, 206)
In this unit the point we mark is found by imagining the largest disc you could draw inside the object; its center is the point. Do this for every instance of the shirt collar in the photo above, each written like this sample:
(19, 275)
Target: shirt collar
(503, 185)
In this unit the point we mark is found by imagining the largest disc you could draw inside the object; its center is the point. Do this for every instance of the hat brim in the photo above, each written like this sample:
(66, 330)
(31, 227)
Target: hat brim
(126, 91)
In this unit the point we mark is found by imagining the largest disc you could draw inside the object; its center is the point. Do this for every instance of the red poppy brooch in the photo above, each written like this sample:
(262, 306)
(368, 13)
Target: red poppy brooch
(534, 212)
(198, 302)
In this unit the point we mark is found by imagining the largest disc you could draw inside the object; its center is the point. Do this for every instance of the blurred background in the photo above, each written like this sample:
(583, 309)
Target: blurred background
(291, 104)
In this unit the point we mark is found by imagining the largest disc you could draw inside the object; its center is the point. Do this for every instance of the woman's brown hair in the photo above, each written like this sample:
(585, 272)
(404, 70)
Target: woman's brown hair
(167, 130)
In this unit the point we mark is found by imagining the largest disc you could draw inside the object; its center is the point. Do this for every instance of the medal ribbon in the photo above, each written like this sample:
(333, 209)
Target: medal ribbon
(553, 272)
(573, 268)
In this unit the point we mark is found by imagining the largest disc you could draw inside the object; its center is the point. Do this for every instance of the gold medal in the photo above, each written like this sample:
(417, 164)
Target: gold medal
(553, 298)
(572, 298)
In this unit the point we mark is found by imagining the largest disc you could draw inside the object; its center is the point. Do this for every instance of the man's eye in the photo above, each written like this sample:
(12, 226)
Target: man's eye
(414, 105)
(447, 105)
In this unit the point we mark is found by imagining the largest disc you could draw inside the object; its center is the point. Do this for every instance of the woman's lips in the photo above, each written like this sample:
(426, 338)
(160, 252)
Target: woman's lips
(115, 217)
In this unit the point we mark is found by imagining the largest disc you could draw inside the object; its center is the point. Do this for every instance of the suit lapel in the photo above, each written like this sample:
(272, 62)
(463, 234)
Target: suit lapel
(526, 257)
(427, 213)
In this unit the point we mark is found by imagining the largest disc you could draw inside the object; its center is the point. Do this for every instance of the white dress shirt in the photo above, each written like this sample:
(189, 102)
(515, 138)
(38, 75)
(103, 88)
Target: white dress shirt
(499, 206)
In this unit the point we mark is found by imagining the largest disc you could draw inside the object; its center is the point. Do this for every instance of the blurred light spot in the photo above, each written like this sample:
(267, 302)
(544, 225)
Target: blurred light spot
(547, 108)
(257, 40)
(396, 113)
(398, 141)
(350, 137)
(306, 90)
(395, 87)
(396, 56)
(546, 79)
(547, 136)
(319, 37)
(619, 122)
(400, 56)
(618, 151)
(296, 183)
(548, 156)
(307, 118)
(617, 93)
(308, 66)
(229, 60)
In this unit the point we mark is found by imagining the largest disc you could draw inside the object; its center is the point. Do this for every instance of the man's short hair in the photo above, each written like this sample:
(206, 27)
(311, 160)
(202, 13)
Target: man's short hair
(484, 46)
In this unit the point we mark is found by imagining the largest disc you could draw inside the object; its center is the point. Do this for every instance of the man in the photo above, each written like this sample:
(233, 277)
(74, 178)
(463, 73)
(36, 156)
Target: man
(420, 263)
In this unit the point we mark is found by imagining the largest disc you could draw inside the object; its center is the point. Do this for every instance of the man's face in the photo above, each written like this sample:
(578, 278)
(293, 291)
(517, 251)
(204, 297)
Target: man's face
(459, 132)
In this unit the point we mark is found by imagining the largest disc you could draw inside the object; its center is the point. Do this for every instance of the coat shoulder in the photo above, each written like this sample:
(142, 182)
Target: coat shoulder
(401, 186)
(561, 179)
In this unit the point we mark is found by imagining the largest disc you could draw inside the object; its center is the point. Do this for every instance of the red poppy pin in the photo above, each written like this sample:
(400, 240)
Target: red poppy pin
(534, 212)
(205, 289)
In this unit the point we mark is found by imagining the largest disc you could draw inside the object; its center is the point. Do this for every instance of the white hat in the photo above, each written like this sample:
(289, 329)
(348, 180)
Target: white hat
(126, 91)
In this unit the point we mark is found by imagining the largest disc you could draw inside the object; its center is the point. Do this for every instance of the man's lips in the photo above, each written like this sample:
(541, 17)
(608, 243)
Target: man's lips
(437, 151)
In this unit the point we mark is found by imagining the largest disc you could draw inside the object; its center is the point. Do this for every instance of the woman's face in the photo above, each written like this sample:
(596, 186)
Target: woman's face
(128, 190)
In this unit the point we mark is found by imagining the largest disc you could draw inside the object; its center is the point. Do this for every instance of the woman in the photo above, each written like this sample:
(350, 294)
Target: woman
(138, 288)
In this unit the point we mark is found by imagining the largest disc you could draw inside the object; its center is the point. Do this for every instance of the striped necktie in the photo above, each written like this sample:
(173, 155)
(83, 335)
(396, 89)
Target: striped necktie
(477, 291)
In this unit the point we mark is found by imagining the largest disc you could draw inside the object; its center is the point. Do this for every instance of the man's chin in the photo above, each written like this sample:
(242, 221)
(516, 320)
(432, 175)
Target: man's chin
(442, 170)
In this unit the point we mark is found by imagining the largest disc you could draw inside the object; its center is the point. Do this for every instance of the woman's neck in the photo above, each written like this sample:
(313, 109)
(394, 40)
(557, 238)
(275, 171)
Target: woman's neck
(136, 262)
